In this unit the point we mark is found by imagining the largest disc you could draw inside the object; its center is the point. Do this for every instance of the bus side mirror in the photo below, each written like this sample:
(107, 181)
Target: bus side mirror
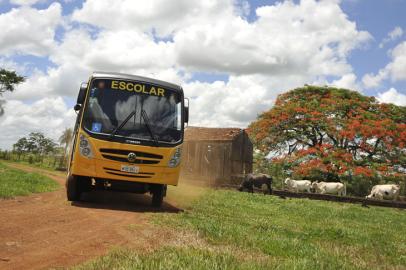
(82, 94)
(186, 111)
(186, 114)
(77, 107)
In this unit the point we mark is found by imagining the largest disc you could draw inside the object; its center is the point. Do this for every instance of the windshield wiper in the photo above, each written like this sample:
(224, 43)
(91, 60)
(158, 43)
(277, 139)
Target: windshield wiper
(113, 133)
(147, 124)
(146, 120)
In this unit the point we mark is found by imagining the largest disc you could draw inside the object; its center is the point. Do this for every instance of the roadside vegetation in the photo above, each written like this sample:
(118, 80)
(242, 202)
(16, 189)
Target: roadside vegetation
(15, 182)
(243, 231)
(40, 151)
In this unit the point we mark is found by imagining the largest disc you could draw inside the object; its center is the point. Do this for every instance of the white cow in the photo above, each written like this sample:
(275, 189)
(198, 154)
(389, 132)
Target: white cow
(298, 185)
(330, 188)
(384, 192)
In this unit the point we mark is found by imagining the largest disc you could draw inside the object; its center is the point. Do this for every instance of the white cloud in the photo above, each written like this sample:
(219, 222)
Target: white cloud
(48, 115)
(163, 17)
(79, 55)
(395, 70)
(287, 38)
(238, 101)
(27, 30)
(220, 103)
(392, 96)
(287, 46)
(311, 38)
(397, 67)
(372, 81)
(348, 81)
(396, 33)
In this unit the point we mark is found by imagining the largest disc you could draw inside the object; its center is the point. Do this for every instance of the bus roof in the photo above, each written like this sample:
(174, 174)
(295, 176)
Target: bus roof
(115, 75)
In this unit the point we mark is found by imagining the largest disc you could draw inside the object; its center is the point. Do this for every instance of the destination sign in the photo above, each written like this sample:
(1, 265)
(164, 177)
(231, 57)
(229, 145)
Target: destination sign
(138, 88)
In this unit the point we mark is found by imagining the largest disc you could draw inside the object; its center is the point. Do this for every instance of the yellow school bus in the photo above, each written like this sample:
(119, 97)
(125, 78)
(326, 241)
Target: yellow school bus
(127, 137)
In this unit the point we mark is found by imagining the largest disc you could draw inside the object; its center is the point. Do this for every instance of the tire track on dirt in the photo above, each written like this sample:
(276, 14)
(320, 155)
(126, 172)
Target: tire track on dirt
(45, 230)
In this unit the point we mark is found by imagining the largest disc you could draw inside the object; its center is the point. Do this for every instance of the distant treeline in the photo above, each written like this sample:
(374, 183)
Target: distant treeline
(38, 149)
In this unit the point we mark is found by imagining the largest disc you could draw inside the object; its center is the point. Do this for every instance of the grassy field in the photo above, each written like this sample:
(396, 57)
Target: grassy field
(243, 231)
(15, 182)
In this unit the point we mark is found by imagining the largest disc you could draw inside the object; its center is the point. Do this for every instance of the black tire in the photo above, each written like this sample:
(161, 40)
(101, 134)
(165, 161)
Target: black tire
(158, 194)
(73, 190)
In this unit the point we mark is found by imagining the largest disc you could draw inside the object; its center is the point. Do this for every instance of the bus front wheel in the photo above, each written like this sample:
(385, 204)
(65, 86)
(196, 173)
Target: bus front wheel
(73, 190)
(158, 194)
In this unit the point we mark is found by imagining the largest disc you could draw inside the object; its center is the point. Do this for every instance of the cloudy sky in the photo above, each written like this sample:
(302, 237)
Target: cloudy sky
(232, 57)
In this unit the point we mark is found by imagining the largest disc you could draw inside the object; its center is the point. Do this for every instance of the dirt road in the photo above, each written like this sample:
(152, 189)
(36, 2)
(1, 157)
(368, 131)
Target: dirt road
(45, 230)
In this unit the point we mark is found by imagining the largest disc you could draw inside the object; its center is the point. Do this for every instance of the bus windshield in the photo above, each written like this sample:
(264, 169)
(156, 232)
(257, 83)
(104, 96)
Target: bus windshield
(153, 109)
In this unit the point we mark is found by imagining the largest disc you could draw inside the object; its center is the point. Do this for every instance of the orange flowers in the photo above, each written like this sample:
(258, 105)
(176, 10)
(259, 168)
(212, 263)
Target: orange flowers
(333, 130)
(365, 171)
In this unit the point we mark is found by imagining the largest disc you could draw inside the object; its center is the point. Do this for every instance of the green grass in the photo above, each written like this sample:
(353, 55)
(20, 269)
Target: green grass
(301, 233)
(174, 258)
(15, 182)
(245, 231)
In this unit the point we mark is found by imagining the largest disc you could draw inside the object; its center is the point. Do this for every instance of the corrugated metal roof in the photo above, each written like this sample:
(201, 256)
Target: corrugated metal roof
(211, 134)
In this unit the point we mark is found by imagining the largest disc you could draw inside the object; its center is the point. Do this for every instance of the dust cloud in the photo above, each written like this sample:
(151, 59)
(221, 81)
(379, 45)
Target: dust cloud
(186, 192)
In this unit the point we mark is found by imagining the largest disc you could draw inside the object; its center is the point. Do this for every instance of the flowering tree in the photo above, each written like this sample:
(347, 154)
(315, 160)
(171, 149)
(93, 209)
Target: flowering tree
(332, 133)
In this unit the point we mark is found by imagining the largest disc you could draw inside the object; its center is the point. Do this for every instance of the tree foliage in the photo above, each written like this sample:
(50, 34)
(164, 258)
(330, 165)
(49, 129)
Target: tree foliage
(334, 133)
(36, 143)
(8, 81)
(66, 137)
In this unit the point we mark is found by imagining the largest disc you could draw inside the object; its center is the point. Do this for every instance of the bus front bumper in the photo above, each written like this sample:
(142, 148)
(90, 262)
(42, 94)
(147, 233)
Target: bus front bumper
(96, 168)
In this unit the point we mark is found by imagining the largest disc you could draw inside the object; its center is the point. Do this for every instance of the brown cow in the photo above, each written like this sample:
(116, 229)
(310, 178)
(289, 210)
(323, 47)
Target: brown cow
(256, 180)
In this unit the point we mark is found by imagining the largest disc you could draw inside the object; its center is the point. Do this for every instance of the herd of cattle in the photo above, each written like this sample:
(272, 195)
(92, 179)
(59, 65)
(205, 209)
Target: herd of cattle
(388, 191)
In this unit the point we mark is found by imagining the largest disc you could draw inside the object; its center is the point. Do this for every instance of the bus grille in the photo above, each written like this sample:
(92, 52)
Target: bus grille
(133, 175)
(121, 155)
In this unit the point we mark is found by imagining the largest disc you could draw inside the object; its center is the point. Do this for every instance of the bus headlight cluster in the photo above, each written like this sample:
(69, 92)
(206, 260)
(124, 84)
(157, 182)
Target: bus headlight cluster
(85, 148)
(175, 159)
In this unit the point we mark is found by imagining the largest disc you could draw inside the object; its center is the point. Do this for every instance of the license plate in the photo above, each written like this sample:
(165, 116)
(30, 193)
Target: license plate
(129, 169)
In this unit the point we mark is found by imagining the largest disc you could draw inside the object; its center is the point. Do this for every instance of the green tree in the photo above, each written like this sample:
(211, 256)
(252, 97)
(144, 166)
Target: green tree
(263, 164)
(20, 147)
(34, 142)
(332, 133)
(47, 146)
(8, 81)
(40, 145)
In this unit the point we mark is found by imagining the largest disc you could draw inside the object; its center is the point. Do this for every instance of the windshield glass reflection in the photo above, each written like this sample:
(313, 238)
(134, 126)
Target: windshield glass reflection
(107, 108)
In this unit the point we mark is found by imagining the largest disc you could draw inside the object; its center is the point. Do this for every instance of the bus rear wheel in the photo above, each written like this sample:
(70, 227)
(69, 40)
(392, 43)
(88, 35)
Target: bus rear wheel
(73, 189)
(158, 194)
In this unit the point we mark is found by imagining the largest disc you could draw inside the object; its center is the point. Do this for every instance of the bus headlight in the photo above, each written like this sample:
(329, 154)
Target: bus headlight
(85, 148)
(175, 159)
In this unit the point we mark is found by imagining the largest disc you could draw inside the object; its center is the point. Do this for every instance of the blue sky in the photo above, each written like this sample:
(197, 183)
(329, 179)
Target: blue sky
(378, 18)
(232, 60)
